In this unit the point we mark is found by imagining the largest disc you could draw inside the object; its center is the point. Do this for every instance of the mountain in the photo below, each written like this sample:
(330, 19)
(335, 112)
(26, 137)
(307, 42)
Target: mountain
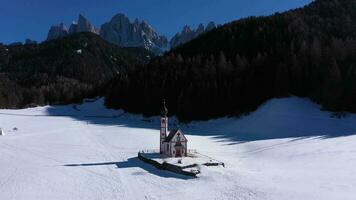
(83, 25)
(119, 30)
(231, 70)
(63, 70)
(56, 32)
(30, 42)
(122, 32)
(188, 34)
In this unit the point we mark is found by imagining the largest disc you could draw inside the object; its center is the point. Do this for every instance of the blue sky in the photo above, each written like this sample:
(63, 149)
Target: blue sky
(21, 19)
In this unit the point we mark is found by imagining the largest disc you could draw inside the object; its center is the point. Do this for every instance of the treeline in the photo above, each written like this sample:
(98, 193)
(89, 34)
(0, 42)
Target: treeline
(309, 52)
(61, 71)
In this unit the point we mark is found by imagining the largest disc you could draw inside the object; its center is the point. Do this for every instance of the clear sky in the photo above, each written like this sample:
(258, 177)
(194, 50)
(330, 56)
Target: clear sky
(21, 19)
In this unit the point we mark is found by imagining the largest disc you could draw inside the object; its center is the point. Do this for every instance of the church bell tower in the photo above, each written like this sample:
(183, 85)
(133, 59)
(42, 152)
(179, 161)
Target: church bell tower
(164, 126)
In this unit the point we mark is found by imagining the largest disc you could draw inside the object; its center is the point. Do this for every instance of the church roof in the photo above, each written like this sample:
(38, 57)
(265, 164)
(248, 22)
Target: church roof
(171, 134)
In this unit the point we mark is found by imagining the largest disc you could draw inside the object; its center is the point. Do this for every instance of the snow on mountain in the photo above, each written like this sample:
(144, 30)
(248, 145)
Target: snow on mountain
(287, 149)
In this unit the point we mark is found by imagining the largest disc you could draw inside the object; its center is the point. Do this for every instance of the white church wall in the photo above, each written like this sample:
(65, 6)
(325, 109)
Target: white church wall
(182, 137)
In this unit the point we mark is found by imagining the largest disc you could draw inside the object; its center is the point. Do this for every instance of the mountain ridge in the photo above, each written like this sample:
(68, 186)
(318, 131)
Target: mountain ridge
(124, 33)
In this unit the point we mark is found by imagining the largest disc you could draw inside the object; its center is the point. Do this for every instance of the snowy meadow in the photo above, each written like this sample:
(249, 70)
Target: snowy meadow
(287, 149)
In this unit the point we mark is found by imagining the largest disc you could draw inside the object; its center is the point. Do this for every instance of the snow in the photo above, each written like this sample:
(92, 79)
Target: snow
(287, 149)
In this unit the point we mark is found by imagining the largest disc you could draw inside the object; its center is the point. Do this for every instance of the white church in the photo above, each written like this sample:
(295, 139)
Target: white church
(172, 143)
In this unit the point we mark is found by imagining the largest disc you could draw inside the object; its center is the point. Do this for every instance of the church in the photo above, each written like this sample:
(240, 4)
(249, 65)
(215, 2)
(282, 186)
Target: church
(172, 143)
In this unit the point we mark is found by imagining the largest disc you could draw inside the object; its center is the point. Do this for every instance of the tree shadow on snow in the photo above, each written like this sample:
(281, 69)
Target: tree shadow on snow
(281, 118)
(135, 162)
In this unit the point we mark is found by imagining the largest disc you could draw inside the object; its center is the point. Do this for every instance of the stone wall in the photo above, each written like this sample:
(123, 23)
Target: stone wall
(166, 166)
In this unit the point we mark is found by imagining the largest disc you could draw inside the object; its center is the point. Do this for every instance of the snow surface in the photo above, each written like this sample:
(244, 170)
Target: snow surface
(287, 149)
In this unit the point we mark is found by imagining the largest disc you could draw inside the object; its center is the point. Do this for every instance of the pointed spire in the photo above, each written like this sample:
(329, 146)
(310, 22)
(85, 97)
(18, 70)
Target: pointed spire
(164, 110)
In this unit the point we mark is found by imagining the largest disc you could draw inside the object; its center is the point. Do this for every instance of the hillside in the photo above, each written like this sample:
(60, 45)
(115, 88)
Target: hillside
(287, 149)
(231, 70)
(63, 70)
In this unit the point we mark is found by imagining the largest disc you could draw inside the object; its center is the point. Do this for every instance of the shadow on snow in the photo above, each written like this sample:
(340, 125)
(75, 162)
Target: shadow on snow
(278, 118)
(134, 163)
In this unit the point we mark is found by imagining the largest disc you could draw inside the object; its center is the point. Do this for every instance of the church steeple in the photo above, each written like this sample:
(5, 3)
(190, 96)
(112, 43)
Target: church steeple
(164, 126)
(164, 110)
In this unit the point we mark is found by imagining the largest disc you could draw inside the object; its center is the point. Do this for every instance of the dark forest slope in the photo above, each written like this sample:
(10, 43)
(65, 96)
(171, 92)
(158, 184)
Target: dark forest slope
(61, 71)
(309, 51)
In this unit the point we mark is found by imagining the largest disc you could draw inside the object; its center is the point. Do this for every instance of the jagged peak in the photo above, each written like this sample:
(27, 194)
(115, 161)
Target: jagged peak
(188, 34)
(210, 26)
(62, 26)
(200, 29)
(121, 17)
(82, 18)
(201, 26)
(186, 29)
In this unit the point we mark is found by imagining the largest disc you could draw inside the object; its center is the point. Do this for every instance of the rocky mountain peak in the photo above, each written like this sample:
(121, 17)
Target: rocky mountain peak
(63, 27)
(186, 29)
(200, 29)
(57, 31)
(188, 34)
(84, 25)
(73, 27)
(120, 31)
(30, 42)
(120, 19)
(210, 26)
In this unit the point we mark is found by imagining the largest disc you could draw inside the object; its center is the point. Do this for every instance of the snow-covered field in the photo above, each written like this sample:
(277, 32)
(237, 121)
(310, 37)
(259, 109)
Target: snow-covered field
(287, 149)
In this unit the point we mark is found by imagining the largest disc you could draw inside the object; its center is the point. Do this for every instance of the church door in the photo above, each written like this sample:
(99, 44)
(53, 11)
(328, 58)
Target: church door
(178, 153)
